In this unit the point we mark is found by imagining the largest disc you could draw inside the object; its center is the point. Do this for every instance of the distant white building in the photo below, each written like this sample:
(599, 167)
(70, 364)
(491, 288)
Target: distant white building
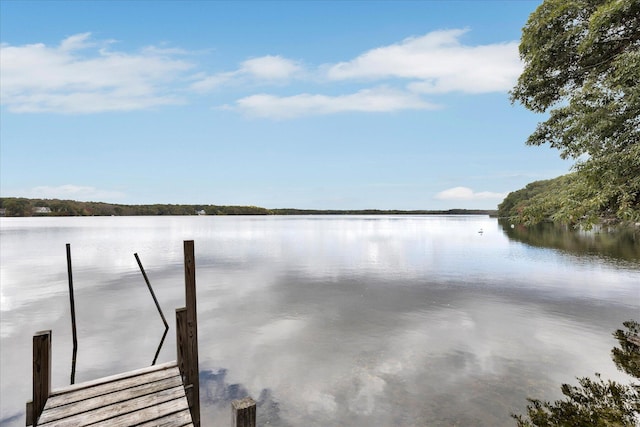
(41, 210)
(201, 212)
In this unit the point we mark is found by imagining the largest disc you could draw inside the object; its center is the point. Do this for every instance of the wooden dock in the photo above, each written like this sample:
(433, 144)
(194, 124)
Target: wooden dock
(163, 395)
(151, 396)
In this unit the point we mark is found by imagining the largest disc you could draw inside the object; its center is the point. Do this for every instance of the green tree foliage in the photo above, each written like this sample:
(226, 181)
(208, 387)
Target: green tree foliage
(582, 67)
(569, 199)
(25, 207)
(538, 201)
(596, 403)
(627, 357)
(16, 206)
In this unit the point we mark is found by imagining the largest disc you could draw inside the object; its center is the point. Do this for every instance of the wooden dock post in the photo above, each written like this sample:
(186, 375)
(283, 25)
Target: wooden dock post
(41, 374)
(187, 335)
(243, 413)
(183, 358)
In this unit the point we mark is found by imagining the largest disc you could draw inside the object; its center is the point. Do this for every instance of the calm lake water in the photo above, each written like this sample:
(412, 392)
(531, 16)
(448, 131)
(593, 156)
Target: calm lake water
(325, 320)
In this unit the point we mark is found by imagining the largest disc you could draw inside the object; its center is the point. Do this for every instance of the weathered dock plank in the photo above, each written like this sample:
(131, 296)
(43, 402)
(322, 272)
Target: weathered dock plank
(132, 380)
(78, 406)
(176, 419)
(164, 411)
(124, 407)
(153, 394)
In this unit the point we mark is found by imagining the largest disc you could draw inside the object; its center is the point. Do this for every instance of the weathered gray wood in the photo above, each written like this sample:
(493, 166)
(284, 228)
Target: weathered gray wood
(153, 396)
(183, 354)
(175, 419)
(115, 396)
(192, 330)
(243, 413)
(182, 348)
(29, 413)
(41, 373)
(130, 374)
(130, 406)
(163, 411)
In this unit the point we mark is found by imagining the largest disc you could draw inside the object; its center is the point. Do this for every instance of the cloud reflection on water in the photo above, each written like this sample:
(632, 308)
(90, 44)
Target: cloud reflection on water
(374, 342)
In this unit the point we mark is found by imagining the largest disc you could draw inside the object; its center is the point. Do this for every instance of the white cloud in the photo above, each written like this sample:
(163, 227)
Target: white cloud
(465, 193)
(437, 62)
(434, 63)
(270, 67)
(206, 83)
(81, 76)
(264, 69)
(367, 100)
(75, 42)
(73, 192)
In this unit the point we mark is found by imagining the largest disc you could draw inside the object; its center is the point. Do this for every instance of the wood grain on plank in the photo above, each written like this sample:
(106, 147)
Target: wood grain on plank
(116, 396)
(132, 405)
(103, 388)
(87, 384)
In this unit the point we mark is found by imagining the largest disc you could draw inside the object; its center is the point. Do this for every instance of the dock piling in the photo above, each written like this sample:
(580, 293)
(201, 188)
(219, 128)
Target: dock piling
(187, 334)
(243, 413)
(41, 373)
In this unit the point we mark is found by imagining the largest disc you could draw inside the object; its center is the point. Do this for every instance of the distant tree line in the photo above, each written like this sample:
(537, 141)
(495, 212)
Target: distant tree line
(17, 207)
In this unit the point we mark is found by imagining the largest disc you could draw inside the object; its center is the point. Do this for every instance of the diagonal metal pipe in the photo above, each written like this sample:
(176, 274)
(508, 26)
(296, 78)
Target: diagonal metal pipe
(73, 316)
(166, 325)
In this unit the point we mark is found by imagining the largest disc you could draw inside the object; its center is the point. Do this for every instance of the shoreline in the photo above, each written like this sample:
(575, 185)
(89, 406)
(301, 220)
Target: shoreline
(23, 207)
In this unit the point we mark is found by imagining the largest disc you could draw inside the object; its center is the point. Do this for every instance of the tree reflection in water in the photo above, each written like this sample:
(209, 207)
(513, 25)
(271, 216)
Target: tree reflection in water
(619, 243)
(596, 402)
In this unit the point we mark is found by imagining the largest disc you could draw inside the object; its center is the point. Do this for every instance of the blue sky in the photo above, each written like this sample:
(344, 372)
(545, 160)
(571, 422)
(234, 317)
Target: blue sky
(305, 104)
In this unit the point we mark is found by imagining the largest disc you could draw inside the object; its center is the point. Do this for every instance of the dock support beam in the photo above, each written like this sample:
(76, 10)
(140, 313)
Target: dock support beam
(187, 335)
(243, 413)
(41, 375)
